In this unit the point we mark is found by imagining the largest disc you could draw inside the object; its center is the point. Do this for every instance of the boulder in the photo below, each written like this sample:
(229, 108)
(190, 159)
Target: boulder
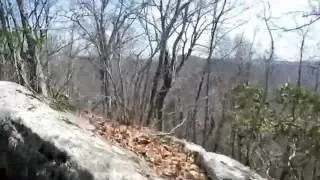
(218, 166)
(38, 142)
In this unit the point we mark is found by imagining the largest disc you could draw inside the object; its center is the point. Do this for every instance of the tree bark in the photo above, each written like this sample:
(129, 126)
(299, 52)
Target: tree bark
(155, 83)
(166, 85)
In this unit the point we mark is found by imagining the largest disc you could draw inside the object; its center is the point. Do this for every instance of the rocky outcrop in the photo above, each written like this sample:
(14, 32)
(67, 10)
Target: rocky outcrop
(218, 166)
(38, 142)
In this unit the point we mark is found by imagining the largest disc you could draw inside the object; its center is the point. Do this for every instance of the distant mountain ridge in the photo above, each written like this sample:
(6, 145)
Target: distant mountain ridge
(281, 71)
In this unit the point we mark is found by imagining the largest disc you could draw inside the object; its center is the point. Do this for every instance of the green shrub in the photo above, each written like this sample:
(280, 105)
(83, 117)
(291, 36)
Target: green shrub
(61, 101)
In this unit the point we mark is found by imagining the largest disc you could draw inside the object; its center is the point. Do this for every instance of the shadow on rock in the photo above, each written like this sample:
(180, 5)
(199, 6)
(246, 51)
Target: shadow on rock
(25, 156)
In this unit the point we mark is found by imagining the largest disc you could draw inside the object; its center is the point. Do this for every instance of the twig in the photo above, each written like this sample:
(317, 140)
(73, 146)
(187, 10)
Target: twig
(172, 130)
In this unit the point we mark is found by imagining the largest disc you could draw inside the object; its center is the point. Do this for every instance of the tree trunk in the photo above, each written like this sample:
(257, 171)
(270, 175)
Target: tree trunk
(103, 89)
(206, 118)
(155, 83)
(195, 108)
(167, 82)
(217, 135)
(31, 59)
(316, 84)
(43, 82)
(144, 99)
(12, 57)
(247, 76)
(266, 82)
(285, 160)
(300, 62)
(159, 106)
(314, 170)
(233, 143)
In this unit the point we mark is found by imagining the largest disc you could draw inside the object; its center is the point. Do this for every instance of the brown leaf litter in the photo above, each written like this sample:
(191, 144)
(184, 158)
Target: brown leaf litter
(166, 157)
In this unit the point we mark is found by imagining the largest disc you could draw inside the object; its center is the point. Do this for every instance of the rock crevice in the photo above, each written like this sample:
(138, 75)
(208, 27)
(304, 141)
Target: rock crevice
(24, 155)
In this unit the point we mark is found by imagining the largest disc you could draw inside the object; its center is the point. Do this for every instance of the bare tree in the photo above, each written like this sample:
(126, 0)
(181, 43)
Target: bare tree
(26, 25)
(183, 18)
(219, 9)
(244, 51)
(268, 61)
(106, 17)
(304, 34)
(11, 59)
(287, 155)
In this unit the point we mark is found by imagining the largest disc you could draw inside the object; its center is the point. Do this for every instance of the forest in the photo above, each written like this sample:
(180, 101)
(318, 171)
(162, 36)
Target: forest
(189, 68)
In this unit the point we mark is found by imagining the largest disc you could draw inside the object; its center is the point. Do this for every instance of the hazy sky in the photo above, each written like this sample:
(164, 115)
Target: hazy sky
(286, 43)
